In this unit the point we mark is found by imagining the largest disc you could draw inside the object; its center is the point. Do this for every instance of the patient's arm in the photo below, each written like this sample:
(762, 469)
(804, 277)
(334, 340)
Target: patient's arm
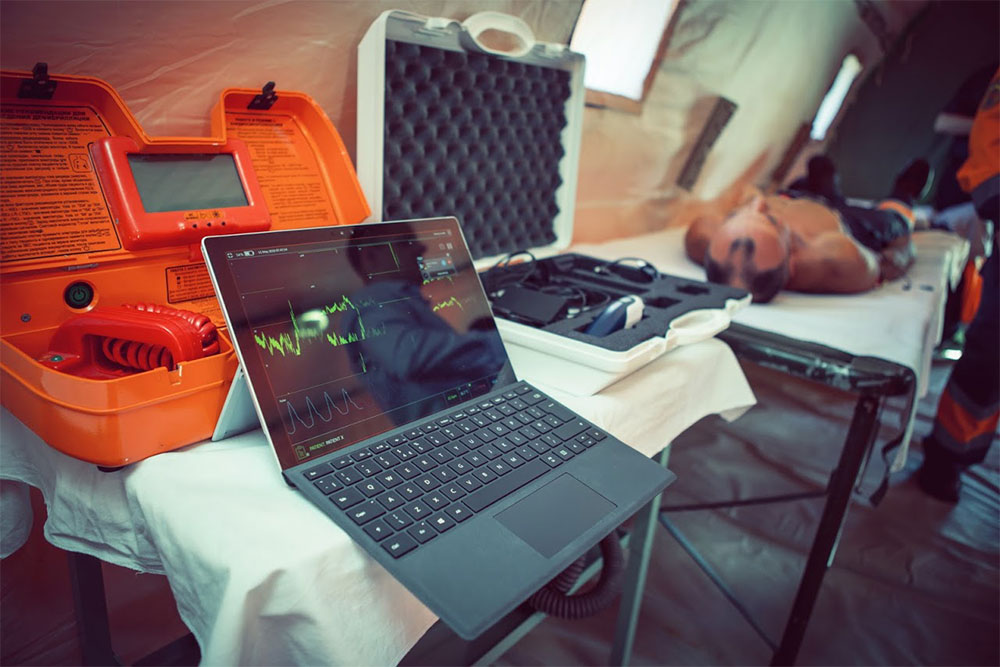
(832, 263)
(699, 235)
(896, 257)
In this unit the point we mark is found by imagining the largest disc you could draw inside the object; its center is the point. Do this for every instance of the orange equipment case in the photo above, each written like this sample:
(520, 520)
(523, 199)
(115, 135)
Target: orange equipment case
(67, 249)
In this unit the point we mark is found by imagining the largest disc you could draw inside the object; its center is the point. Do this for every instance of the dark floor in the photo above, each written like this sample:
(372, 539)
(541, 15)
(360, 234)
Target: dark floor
(915, 582)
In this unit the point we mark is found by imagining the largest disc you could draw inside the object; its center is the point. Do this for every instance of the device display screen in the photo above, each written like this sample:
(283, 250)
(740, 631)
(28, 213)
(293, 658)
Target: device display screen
(187, 182)
(358, 331)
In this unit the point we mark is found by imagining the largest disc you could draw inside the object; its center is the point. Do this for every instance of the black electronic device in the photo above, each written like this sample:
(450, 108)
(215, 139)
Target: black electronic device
(530, 306)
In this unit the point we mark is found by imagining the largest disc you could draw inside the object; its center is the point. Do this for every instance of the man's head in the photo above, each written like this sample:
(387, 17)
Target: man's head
(750, 251)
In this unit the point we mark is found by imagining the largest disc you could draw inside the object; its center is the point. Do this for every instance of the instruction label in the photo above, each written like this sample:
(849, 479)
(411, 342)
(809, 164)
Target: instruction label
(188, 282)
(286, 169)
(50, 201)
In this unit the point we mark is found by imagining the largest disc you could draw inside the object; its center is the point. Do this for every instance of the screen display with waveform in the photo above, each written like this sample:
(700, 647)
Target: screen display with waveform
(349, 339)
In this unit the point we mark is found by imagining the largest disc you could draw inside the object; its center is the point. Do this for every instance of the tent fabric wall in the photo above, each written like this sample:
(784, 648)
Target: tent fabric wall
(170, 60)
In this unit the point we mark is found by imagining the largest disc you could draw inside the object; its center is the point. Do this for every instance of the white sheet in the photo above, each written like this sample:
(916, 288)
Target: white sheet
(259, 574)
(900, 321)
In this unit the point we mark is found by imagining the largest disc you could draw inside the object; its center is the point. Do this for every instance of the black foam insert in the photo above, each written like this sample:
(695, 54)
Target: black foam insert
(665, 298)
(477, 137)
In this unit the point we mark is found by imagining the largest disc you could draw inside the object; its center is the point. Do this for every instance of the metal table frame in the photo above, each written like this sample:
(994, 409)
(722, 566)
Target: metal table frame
(874, 381)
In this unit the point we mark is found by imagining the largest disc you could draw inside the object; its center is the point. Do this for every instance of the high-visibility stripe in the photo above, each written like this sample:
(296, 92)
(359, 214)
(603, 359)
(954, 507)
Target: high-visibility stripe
(900, 208)
(959, 423)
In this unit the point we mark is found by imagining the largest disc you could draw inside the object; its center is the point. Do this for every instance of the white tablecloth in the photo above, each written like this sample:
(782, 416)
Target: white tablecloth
(263, 577)
(900, 321)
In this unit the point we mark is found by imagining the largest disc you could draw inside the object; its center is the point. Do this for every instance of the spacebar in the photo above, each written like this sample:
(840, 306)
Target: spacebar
(506, 485)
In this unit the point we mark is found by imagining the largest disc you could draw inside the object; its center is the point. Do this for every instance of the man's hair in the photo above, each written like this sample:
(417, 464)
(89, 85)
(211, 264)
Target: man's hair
(763, 284)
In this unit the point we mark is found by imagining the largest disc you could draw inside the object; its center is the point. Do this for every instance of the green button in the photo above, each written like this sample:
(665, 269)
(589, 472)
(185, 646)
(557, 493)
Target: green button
(79, 295)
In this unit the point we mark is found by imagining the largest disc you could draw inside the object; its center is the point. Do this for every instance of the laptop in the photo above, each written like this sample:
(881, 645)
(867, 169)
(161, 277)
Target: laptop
(375, 365)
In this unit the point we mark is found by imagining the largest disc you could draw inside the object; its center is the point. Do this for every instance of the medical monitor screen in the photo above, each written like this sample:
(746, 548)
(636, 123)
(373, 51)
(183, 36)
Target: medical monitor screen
(348, 332)
(187, 182)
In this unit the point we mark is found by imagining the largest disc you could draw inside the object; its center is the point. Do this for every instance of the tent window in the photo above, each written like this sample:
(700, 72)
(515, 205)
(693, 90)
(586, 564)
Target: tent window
(834, 99)
(622, 40)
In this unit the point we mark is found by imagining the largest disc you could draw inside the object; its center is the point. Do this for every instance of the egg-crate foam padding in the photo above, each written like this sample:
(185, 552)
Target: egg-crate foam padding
(666, 298)
(477, 137)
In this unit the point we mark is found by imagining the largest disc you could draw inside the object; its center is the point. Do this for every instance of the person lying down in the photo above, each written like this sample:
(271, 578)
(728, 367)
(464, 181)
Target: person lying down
(802, 243)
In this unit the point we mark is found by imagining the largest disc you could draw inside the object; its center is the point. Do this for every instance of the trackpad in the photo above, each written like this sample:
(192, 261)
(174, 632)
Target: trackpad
(556, 514)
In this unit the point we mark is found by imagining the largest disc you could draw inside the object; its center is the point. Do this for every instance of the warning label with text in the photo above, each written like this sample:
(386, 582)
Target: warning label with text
(50, 200)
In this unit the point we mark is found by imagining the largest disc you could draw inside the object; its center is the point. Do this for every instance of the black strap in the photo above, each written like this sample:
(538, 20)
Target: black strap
(876, 497)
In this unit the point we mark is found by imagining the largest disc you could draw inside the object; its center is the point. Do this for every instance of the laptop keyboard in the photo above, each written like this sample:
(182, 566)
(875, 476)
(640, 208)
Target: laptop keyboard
(410, 488)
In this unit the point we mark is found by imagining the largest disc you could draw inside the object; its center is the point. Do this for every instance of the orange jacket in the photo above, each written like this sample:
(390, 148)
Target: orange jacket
(980, 175)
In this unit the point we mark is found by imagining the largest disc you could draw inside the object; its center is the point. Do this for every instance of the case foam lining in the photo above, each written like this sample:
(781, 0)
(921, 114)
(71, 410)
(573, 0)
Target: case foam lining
(477, 137)
(666, 297)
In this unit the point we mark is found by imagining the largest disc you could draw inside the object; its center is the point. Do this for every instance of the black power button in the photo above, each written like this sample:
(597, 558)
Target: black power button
(79, 295)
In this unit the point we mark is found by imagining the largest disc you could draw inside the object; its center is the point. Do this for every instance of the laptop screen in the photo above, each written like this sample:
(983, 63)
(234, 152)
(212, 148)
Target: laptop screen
(347, 332)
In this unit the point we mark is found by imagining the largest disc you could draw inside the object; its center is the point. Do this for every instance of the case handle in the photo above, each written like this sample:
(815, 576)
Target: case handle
(699, 325)
(480, 22)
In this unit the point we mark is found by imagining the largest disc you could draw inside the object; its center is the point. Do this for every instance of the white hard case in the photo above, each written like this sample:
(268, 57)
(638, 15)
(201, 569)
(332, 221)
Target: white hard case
(539, 356)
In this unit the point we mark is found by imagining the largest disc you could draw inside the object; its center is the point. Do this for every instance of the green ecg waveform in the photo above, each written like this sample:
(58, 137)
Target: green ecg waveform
(290, 344)
(453, 301)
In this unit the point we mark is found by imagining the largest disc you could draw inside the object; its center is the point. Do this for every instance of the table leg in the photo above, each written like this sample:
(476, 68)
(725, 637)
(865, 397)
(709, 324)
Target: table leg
(87, 582)
(640, 547)
(860, 436)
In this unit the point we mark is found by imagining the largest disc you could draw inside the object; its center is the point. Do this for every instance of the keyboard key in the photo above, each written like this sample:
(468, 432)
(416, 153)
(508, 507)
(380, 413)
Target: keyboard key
(511, 423)
(485, 475)
(513, 460)
(504, 445)
(571, 429)
(498, 400)
(379, 448)
(445, 421)
(410, 491)
(389, 479)
(479, 420)
(535, 412)
(524, 417)
(529, 433)
(365, 512)
(458, 512)
(557, 411)
(441, 522)
(506, 410)
(499, 467)
(397, 520)
(522, 389)
(413, 433)
(378, 530)
(493, 415)
(362, 455)
(467, 426)
(500, 429)
(421, 446)
(426, 482)
(475, 459)
(596, 434)
(396, 440)
(370, 488)
(470, 483)
(486, 435)
(518, 404)
(526, 453)
(427, 428)
(489, 451)
(422, 532)
(436, 500)
(509, 395)
(585, 440)
(436, 439)
(453, 491)
(387, 460)
(538, 446)
(407, 470)
(460, 466)
(417, 510)
(551, 459)
(575, 447)
(390, 500)
(342, 462)
(452, 433)
(563, 453)
(368, 468)
(442, 456)
(517, 439)
(347, 498)
(399, 544)
(552, 421)
(540, 426)
(445, 474)
(349, 476)
(456, 448)
(328, 484)
(317, 471)
(532, 398)
(405, 452)
(457, 416)
(504, 486)
(551, 440)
